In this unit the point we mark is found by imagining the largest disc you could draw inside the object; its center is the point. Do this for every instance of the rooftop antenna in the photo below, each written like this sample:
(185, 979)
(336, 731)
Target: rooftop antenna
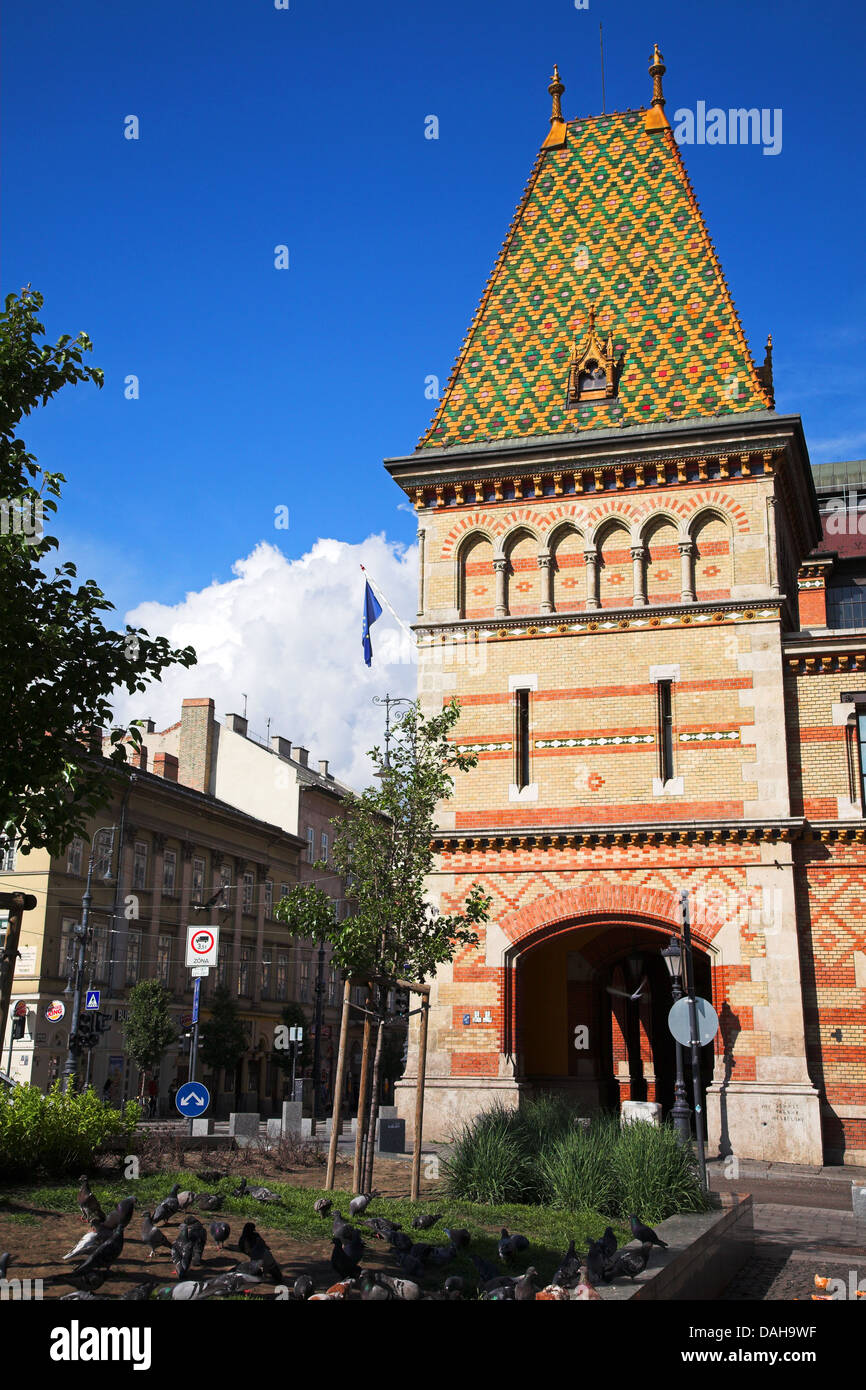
(245, 703)
(269, 728)
(601, 47)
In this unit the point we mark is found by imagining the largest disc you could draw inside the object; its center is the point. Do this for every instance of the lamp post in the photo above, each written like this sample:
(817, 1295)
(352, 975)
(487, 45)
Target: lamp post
(388, 701)
(317, 1040)
(81, 932)
(682, 1115)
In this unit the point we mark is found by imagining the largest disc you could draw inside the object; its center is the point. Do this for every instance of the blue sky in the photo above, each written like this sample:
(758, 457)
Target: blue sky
(305, 127)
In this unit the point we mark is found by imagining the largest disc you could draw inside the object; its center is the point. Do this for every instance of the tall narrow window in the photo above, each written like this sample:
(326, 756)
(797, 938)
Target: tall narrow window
(861, 739)
(197, 880)
(169, 871)
(522, 739)
(666, 732)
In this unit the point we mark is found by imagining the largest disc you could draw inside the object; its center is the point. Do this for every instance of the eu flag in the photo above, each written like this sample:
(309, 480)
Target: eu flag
(372, 610)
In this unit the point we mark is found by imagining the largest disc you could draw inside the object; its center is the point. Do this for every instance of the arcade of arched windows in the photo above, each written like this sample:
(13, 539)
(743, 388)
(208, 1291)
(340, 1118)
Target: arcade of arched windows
(567, 571)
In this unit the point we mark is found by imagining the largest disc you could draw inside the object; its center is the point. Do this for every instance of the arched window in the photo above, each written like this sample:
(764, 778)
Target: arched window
(713, 560)
(615, 570)
(476, 580)
(523, 577)
(662, 562)
(569, 571)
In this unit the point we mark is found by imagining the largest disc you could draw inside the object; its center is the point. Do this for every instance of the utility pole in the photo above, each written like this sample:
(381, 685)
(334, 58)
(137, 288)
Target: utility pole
(317, 1038)
(16, 904)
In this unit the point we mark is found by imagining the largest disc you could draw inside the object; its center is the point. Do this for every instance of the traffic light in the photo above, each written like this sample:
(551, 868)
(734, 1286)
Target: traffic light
(17, 1029)
(87, 1034)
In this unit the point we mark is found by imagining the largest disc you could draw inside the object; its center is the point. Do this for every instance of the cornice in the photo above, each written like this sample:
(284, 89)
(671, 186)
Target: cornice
(606, 620)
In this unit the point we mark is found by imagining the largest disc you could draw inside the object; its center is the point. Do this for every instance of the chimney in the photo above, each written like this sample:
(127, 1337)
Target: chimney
(323, 767)
(139, 759)
(303, 756)
(237, 723)
(165, 765)
(196, 744)
(149, 726)
(280, 745)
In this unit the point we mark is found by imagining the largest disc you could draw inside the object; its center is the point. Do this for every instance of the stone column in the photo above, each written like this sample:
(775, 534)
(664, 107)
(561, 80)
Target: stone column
(772, 548)
(422, 536)
(545, 565)
(687, 579)
(638, 556)
(261, 876)
(234, 968)
(591, 558)
(499, 566)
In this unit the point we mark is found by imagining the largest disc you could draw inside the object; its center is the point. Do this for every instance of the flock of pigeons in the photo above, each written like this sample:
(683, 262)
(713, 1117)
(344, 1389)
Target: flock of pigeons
(260, 1275)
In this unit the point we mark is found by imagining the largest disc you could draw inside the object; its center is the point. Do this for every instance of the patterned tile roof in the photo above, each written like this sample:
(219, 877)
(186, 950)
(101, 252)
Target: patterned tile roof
(609, 219)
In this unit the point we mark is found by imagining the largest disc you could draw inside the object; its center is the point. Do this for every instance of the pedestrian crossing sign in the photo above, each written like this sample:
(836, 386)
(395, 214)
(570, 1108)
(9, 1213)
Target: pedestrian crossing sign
(92, 999)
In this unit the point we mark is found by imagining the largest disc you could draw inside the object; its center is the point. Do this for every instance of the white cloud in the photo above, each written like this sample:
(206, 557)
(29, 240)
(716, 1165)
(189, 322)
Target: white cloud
(288, 633)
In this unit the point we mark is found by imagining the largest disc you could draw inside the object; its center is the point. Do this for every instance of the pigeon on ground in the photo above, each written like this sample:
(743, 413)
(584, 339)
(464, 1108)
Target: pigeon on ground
(411, 1266)
(644, 1233)
(341, 1228)
(568, 1274)
(252, 1244)
(511, 1246)
(382, 1228)
(423, 1223)
(88, 1243)
(104, 1255)
(341, 1263)
(152, 1236)
(595, 1261)
(79, 1294)
(359, 1204)
(169, 1206)
(627, 1262)
(122, 1214)
(208, 1201)
(500, 1293)
(139, 1293)
(486, 1271)
(209, 1175)
(192, 1230)
(458, 1237)
(220, 1230)
(185, 1199)
(526, 1288)
(303, 1288)
(400, 1242)
(455, 1286)
(404, 1289)
(259, 1194)
(86, 1283)
(4, 1263)
(181, 1254)
(253, 1268)
(442, 1254)
(422, 1251)
(89, 1205)
(608, 1243)
(323, 1205)
(354, 1247)
(371, 1292)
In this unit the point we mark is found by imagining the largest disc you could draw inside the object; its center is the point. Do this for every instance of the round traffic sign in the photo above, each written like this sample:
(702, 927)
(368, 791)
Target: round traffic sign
(192, 1099)
(202, 941)
(679, 1024)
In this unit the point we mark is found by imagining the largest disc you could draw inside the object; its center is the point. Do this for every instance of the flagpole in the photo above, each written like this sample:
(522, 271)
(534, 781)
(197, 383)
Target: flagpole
(379, 594)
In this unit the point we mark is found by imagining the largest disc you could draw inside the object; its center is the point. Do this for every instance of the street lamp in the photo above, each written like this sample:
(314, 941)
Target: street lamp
(81, 932)
(388, 701)
(682, 1115)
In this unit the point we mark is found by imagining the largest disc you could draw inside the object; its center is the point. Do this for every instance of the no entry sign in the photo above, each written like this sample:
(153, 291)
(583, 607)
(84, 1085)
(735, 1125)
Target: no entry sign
(201, 945)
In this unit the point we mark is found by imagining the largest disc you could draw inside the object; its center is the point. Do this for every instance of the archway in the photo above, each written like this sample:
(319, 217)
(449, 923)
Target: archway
(591, 1004)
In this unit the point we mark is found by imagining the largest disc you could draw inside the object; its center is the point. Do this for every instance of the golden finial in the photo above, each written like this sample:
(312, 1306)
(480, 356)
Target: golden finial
(655, 118)
(556, 90)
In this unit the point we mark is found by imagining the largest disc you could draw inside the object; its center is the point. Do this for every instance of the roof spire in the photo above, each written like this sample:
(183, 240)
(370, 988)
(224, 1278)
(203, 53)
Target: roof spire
(556, 135)
(655, 118)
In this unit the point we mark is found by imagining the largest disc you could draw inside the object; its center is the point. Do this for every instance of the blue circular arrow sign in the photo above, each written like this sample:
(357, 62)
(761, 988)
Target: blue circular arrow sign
(192, 1099)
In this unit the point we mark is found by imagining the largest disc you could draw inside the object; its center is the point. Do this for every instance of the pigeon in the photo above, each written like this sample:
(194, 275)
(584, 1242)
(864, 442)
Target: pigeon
(252, 1268)
(88, 1204)
(459, 1237)
(359, 1205)
(442, 1254)
(80, 1294)
(354, 1247)
(88, 1243)
(208, 1201)
(372, 1292)
(404, 1289)
(139, 1292)
(568, 1274)
(303, 1288)
(421, 1251)
(232, 1282)
(185, 1199)
(630, 1262)
(608, 1243)
(341, 1263)
(104, 1254)
(169, 1206)
(423, 1223)
(412, 1266)
(252, 1244)
(486, 1271)
(122, 1214)
(595, 1261)
(152, 1236)
(192, 1230)
(323, 1205)
(259, 1194)
(220, 1231)
(341, 1228)
(525, 1288)
(454, 1286)
(499, 1293)
(181, 1254)
(209, 1175)
(511, 1246)
(381, 1227)
(87, 1282)
(644, 1234)
(400, 1242)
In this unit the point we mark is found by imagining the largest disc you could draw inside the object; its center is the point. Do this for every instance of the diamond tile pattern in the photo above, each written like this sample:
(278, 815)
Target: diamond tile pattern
(610, 219)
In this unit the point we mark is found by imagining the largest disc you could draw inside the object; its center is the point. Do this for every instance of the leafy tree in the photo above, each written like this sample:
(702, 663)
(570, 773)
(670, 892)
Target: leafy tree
(383, 847)
(148, 1030)
(222, 1040)
(60, 663)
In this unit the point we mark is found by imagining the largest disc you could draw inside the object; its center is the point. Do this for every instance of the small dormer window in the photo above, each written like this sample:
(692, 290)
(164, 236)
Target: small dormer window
(592, 374)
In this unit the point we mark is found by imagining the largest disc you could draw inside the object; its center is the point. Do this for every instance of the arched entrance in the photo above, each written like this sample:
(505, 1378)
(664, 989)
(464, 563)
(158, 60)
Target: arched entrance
(590, 1009)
